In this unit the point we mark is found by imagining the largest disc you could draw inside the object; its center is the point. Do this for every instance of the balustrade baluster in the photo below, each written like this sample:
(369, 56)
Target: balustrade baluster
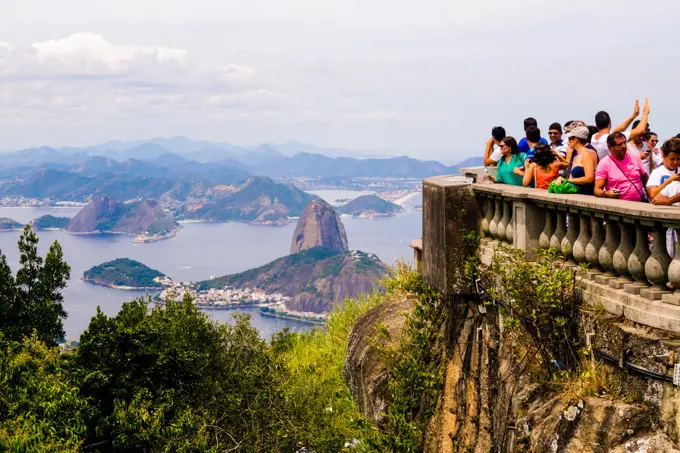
(674, 268)
(656, 267)
(624, 249)
(569, 240)
(505, 220)
(548, 230)
(488, 215)
(579, 247)
(497, 213)
(560, 231)
(640, 254)
(509, 228)
(595, 244)
(606, 252)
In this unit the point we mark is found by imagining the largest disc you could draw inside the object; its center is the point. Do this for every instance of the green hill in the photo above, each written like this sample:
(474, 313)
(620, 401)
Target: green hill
(369, 205)
(315, 279)
(123, 272)
(50, 222)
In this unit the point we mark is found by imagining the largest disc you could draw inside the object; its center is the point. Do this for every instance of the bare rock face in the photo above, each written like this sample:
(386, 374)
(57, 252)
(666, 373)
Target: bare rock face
(319, 225)
(365, 368)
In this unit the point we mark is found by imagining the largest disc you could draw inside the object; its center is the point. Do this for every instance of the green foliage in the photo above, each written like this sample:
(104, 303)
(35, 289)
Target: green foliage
(539, 304)
(324, 413)
(416, 372)
(40, 406)
(50, 221)
(32, 300)
(124, 272)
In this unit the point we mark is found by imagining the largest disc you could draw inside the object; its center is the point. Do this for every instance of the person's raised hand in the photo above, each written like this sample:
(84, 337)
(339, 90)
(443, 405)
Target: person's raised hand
(645, 109)
(636, 109)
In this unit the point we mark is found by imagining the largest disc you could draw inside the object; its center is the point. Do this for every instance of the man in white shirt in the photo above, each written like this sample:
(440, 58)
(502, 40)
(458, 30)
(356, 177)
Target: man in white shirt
(604, 124)
(556, 143)
(493, 149)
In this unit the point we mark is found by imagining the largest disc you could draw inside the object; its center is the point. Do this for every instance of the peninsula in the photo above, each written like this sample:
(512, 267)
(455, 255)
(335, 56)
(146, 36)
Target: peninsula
(9, 224)
(124, 273)
(146, 219)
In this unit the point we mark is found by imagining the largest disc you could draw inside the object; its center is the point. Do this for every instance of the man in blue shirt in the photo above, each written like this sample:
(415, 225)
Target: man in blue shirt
(532, 139)
(524, 145)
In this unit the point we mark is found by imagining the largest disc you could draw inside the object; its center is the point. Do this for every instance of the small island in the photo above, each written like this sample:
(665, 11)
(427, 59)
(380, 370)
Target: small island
(50, 222)
(124, 273)
(9, 224)
(367, 206)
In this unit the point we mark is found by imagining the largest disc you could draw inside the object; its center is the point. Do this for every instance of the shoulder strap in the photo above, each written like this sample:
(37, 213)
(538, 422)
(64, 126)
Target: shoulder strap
(642, 197)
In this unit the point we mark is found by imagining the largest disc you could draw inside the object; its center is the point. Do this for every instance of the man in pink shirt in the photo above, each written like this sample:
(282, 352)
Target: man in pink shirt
(620, 174)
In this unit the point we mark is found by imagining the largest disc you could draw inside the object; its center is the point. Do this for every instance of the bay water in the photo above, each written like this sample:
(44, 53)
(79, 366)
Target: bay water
(197, 252)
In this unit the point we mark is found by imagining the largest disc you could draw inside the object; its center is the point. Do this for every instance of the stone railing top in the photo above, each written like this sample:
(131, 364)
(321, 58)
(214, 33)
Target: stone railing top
(644, 212)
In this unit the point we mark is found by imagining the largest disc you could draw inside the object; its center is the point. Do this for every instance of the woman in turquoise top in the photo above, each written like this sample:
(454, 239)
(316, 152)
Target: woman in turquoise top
(511, 164)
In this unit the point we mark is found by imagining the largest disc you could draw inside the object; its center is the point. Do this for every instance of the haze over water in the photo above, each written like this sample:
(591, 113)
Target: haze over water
(199, 251)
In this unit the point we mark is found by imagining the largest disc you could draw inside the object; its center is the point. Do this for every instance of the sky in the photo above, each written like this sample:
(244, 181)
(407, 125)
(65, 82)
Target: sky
(428, 78)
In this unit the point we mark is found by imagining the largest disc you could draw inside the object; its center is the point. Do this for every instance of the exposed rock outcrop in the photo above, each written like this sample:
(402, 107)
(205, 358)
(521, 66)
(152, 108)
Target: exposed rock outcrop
(319, 226)
(365, 369)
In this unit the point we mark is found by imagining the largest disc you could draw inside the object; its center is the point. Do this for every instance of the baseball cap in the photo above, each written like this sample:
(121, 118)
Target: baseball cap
(579, 132)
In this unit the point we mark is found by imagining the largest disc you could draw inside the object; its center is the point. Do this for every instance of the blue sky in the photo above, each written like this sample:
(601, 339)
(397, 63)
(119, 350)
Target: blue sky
(425, 78)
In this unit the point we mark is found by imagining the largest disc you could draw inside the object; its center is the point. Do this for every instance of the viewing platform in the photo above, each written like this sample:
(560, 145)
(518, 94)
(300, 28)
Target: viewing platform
(627, 274)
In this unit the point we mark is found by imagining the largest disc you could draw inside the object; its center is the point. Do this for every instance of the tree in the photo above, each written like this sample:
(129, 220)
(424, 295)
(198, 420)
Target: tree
(32, 301)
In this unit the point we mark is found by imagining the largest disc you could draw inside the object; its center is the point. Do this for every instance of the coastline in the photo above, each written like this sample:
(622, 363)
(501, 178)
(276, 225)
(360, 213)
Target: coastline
(405, 198)
(124, 288)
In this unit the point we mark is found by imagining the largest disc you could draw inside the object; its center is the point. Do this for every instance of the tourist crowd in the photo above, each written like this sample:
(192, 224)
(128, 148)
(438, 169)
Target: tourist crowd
(600, 160)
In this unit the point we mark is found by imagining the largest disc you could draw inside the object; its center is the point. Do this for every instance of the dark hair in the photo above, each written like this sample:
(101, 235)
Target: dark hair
(498, 133)
(528, 122)
(512, 143)
(568, 123)
(672, 145)
(555, 127)
(635, 124)
(592, 130)
(649, 135)
(677, 136)
(533, 134)
(543, 155)
(612, 137)
(602, 120)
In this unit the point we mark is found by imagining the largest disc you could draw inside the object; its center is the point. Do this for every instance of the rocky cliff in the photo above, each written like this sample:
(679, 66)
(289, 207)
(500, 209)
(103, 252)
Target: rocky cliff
(319, 226)
(105, 214)
(490, 402)
(320, 272)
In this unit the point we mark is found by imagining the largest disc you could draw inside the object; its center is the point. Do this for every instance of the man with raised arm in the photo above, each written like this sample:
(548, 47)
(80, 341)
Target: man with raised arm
(493, 147)
(604, 124)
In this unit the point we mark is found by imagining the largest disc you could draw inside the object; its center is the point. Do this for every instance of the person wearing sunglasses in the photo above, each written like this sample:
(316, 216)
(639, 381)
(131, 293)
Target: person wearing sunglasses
(510, 164)
(655, 148)
(556, 143)
(621, 173)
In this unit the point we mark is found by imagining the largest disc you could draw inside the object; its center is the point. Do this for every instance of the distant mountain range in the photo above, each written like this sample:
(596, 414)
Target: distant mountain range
(183, 158)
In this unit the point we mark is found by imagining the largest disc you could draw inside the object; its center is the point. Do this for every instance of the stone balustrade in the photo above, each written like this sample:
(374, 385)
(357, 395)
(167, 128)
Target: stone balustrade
(627, 273)
(611, 236)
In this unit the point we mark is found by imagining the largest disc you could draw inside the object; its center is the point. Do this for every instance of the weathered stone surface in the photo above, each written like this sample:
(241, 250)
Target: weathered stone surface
(319, 225)
(365, 368)
(450, 214)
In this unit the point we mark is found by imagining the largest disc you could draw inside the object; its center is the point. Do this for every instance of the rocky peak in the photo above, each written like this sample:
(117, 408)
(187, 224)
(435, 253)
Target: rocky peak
(319, 225)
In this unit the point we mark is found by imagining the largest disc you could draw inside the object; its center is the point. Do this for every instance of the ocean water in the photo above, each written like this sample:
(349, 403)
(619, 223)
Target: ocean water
(197, 252)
